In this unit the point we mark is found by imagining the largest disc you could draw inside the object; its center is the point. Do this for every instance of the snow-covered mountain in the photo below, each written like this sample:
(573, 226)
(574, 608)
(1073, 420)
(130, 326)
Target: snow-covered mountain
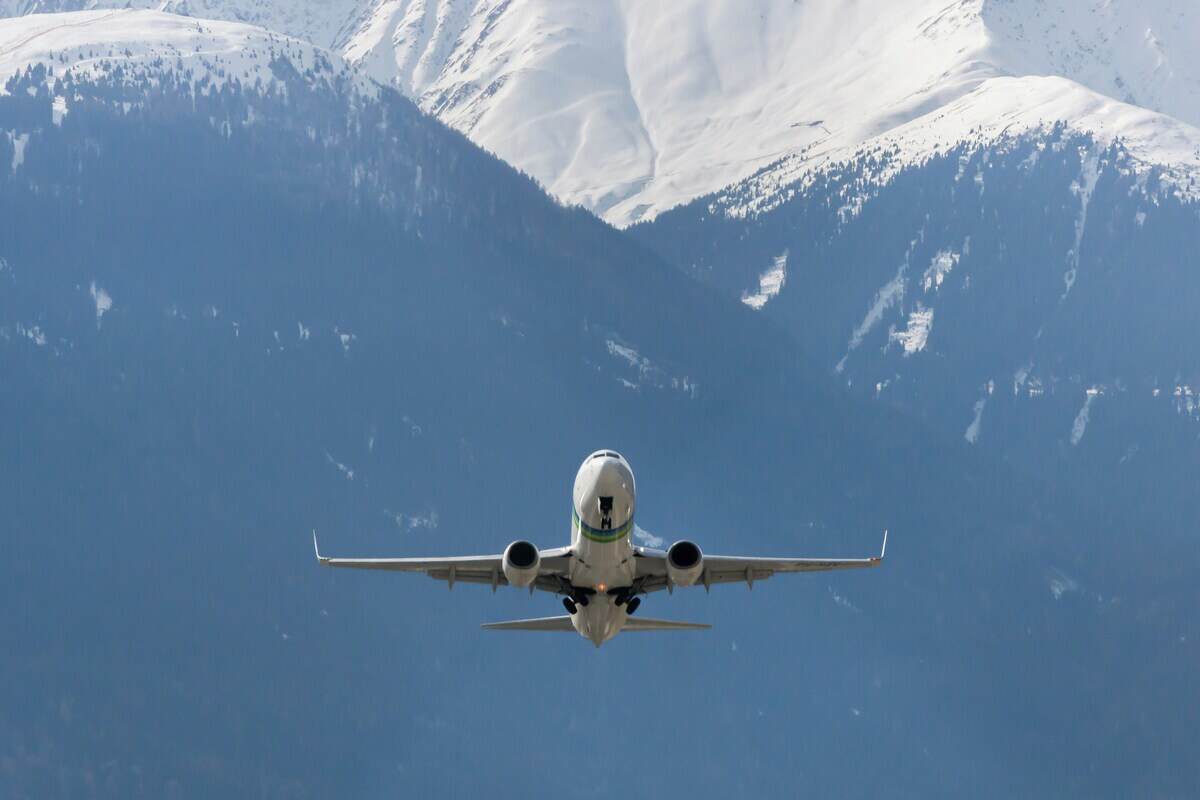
(137, 45)
(1030, 295)
(629, 108)
(322, 22)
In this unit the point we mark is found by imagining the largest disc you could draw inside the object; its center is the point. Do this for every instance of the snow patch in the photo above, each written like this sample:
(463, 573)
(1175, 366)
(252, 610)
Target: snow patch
(769, 283)
(888, 295)
(19, 140)
(102, 300)
(1090, 174)
(345, 338)
(649, 373)
(627, 354)
(916, 334)
(1079, 427)
(58, 110)
(1020, 376)
(941, 266)
(1186, 401)
(972, 432)
(348, 472)
(1061, 583)
(33, 333)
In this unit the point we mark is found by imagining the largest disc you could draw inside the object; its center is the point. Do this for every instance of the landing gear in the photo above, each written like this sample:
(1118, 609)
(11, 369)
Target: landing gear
(582, 599)
(625, 597)
(606, 507)
(570, 606)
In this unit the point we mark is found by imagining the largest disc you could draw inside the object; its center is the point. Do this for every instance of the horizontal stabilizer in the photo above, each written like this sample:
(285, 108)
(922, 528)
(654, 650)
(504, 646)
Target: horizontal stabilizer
(562, 623)
(647, 624)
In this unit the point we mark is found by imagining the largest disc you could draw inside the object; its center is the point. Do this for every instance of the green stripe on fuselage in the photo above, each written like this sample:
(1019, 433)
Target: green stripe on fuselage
(598, 535)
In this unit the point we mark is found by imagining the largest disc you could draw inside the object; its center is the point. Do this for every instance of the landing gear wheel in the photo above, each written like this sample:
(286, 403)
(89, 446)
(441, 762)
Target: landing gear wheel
(632, 605)
(582, 600)
(569, 604)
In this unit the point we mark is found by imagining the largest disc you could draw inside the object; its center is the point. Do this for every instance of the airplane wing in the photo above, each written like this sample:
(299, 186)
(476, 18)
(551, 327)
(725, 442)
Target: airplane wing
(461, 569)
(564, 624)
(652, 567)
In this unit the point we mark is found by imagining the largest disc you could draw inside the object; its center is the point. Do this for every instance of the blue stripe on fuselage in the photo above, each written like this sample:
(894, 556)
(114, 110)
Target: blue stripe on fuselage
(600, 535)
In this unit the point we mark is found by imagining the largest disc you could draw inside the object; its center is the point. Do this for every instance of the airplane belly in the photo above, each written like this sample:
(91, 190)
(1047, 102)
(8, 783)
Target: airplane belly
(600, 620)
(608, 565)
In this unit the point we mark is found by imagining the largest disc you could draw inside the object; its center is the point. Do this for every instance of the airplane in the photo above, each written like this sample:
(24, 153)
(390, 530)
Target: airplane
(601, 574)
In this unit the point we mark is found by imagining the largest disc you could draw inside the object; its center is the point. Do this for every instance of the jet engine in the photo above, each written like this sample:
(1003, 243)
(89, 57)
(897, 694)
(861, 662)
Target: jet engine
(521, 562)
(685, 563)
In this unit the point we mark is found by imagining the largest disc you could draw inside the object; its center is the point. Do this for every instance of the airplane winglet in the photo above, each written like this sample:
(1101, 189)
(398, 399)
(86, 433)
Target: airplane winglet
(320, 558)
(883, 549)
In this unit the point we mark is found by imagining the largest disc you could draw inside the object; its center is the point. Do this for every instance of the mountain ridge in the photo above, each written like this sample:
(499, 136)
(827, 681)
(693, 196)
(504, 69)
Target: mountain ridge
(630, 109)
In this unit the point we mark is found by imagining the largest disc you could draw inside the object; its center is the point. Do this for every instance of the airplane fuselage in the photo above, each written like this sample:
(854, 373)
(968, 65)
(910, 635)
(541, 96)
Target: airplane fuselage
(604, 502)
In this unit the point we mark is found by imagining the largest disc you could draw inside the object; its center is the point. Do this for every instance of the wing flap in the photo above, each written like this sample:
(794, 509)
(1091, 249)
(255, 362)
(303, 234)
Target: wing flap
(648, 624)
(555, 624)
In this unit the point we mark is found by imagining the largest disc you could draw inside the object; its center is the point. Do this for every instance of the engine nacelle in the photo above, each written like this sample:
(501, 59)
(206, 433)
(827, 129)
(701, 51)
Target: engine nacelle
(685, 563)
(521, 562)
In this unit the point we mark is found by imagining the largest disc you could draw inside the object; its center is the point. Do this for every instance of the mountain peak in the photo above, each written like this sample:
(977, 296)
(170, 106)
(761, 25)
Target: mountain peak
(632, 108)
(140, 43)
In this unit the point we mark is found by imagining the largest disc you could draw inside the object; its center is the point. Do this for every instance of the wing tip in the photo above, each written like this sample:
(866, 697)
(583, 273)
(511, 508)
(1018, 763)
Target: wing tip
(317, 550)
(875, 561)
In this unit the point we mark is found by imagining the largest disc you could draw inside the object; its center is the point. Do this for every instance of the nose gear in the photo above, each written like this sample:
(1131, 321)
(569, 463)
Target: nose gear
(606, 506)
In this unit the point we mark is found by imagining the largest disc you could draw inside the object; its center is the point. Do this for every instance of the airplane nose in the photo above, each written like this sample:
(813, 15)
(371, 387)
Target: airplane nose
(611, 476)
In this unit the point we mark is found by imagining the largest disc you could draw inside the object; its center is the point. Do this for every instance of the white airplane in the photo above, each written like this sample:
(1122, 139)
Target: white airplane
(601, 574)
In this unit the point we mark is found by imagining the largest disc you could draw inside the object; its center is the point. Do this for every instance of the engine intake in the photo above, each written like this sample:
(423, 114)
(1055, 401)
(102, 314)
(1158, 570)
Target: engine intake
(685, 563)
(521, 562)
